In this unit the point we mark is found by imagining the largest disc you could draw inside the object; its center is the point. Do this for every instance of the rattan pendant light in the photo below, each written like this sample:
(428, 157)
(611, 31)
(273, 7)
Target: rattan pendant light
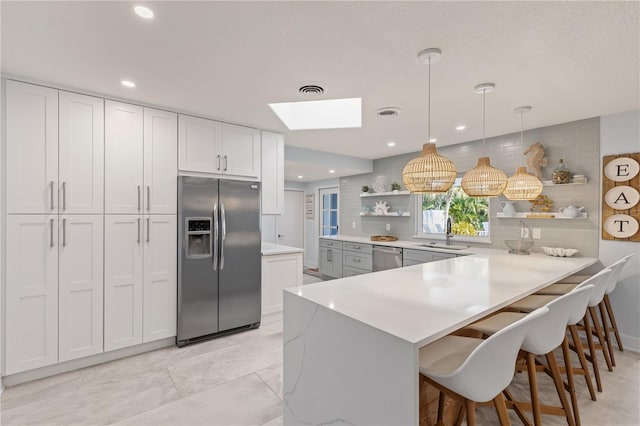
(522, 185)
(484, 180)
(430, 173)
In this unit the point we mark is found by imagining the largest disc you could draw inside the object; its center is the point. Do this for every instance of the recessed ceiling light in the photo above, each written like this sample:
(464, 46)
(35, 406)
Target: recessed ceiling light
(325, 114)
(461, 127)
(432, 140)
(127, 83)
(391, 144)
(332, 171)
(143, 12)
(300, 177)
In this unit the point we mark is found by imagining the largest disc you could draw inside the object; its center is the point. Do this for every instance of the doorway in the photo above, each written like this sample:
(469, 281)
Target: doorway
(329, 212)
(290, 225)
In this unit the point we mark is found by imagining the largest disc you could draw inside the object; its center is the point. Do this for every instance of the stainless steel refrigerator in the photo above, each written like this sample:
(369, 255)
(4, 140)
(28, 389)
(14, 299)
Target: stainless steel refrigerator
(219, 257)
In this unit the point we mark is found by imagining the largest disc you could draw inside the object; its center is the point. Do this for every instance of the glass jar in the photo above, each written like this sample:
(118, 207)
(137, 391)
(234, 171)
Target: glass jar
(561, 174)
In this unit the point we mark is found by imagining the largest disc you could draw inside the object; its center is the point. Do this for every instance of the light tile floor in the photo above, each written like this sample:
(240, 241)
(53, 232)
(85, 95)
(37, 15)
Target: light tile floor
(236, 380)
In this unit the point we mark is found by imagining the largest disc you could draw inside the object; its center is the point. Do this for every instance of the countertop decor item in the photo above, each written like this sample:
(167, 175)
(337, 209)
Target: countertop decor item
(522, 185)
(537, 159)
(561, 174)
(484, 180)
(431, 172)
(541, 203)
(559, 251)
(383, 238)
(521, 246)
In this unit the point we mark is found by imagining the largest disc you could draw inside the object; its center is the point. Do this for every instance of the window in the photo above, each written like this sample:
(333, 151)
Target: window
(329, 212)
(469, 215)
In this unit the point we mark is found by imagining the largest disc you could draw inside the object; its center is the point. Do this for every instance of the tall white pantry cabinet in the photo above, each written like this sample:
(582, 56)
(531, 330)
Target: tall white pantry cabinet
(69, 161)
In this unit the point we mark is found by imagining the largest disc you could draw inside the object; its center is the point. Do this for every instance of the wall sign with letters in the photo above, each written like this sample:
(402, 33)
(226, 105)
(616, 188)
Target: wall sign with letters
(621, 197)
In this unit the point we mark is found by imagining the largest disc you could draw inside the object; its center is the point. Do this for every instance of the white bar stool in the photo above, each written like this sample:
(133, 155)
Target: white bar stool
(474, 370)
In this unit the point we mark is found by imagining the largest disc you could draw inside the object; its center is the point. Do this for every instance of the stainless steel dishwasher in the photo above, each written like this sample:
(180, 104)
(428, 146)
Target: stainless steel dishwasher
(386, 258)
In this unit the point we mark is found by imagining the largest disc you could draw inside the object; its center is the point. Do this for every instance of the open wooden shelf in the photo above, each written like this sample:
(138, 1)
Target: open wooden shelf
(531, 215)
(383, 194)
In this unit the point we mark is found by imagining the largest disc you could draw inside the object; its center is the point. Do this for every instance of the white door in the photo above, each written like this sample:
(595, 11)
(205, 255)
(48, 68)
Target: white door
(160, 161)
(291, 224)
(328, 204)
(241, 148)
(80, 285)
(32, 148)
(272, 173)
(123, 158)
(81, 154)
(123, 241)
(160, 272)
(31, 292)
(199, 145)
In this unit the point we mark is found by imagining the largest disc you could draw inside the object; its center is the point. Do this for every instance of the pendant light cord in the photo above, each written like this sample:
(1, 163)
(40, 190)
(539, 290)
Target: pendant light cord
(522, 132)
(484, 119)
(429, 105)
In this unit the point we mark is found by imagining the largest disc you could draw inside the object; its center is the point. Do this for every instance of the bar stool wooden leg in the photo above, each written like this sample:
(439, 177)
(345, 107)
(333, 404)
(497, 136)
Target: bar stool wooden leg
(533, 388)
(441, 398)
(583, 360)
(501, 409)
(605, 331)
(470, 408)
(598, 329)
(568, 366)
(555, 372)
(592, 352)
(612, 320)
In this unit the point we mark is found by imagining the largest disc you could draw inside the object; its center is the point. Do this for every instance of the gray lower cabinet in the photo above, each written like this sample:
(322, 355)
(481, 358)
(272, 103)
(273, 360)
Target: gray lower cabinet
(348, 271)
(357, 259)
(330, 259)
(415, 257)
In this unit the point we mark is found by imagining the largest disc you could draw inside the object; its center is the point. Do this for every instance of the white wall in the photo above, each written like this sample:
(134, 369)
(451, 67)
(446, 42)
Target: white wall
(312, 226)
(620, 134)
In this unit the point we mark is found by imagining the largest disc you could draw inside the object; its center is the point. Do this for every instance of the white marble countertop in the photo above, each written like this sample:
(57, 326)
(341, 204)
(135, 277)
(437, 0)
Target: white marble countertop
(270, 249)
(414, 245)
(422, 303)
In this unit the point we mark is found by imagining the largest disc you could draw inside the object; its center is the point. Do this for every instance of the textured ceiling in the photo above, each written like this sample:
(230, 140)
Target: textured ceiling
(227, 60)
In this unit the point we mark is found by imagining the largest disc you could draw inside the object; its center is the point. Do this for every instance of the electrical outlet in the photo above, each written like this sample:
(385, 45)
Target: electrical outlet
(537, 233)
(353, 225)
(524, 232)
(388, 227)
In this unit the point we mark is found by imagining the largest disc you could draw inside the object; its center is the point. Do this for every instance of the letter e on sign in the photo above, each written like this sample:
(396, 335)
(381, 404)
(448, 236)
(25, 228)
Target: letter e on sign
(622, 169)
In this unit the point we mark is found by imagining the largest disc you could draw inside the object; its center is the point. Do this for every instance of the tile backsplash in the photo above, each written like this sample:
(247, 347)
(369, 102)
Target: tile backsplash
(578, 143)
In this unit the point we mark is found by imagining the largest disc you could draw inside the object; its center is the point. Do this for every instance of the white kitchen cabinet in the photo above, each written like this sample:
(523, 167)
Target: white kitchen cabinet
(241, 151)
(123, 158)
(31, 148)
(279, 271)
(31, 292)
(209, 146)
(123, 288)
(80, 286)
(330, 262)
(272, 173)
(199, 144)
(160, 277)
(81, 154)
(160, 161)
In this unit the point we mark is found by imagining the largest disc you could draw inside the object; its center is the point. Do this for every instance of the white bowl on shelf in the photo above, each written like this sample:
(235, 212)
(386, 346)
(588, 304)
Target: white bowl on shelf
(559, 251)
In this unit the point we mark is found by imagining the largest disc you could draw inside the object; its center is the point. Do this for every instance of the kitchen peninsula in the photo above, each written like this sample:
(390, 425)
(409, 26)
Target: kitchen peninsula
(351, 345)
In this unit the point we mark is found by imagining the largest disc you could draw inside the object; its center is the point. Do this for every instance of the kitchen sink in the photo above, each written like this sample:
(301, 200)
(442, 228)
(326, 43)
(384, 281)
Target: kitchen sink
(443, 246)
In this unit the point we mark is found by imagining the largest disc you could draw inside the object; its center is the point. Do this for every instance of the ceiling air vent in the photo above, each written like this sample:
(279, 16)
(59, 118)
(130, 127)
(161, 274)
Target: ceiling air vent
(388, 112)
(311, 90)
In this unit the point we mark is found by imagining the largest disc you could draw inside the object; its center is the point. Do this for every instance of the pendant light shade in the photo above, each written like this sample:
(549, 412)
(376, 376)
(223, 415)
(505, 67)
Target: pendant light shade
(522, 185)
(431, 173)
(484, 180)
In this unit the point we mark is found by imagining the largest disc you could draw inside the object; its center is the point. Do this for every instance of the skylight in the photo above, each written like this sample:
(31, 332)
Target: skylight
(325, 114)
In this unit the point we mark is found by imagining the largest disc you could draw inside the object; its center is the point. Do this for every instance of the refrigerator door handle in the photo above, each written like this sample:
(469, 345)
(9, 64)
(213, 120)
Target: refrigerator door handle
(215, 237)
(223, 220)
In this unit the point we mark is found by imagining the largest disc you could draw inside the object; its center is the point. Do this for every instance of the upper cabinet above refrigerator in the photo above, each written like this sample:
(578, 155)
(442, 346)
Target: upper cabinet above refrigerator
(215, 148)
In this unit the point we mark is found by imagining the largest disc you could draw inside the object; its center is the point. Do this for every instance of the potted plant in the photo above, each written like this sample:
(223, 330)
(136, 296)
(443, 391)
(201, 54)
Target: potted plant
(395, 187)
(365, 189)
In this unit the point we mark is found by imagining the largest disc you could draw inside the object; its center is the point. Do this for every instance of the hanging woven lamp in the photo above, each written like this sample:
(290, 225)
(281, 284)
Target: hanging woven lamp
(484, 180)
(522, 185)
(431, 173)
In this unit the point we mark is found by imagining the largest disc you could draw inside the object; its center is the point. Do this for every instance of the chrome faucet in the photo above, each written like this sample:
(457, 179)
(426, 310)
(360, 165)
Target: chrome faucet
(449, 234)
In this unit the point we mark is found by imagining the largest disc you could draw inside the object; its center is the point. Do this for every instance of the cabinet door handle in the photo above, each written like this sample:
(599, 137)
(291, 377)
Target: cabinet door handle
(357, 247)
(138, 197)
(148, 230)
(64, 195)
(330, 256)
(138, 230)
(51, 191)
(218, 162)
(50, 232)
(356, 260)
(226, 162)
(64, 232)
(148, 198)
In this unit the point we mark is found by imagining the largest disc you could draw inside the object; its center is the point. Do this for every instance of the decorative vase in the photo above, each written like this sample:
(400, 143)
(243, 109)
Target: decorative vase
(508, 208)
